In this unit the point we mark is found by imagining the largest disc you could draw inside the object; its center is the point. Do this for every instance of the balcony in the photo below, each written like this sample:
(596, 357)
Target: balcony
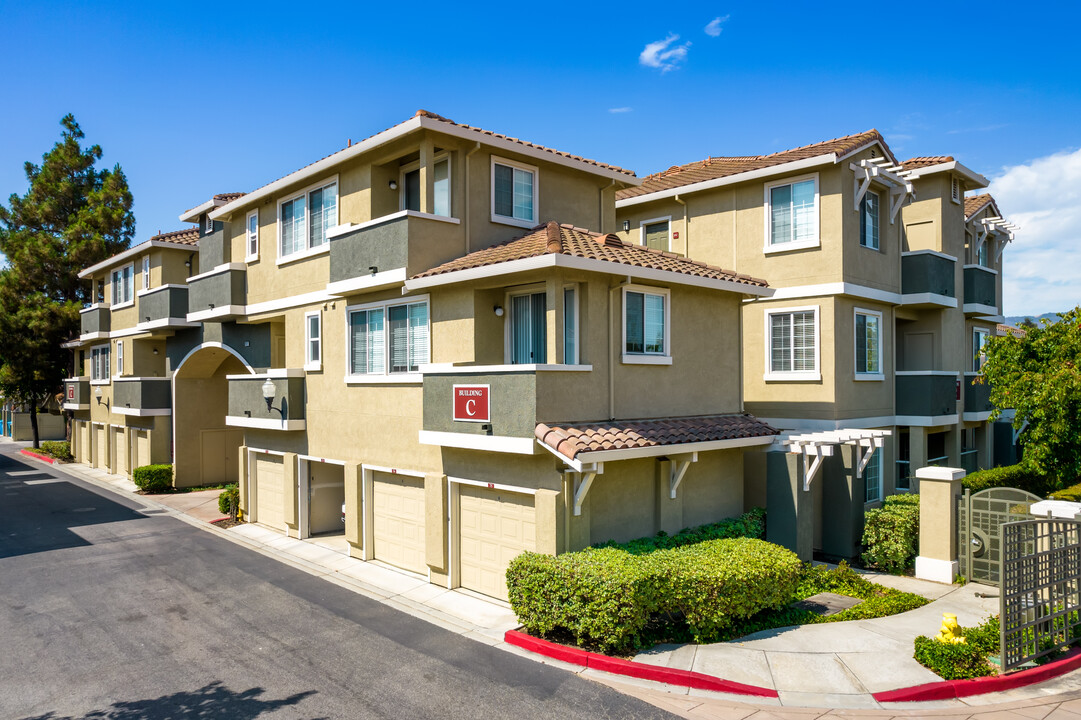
(165, 306)
(218, 294)
(978, 404)
(926, 397)
(927, 279)
(387, 250)
(77, 394)
(981, 292)
(142, 396)
(94, 322)
(248, 408)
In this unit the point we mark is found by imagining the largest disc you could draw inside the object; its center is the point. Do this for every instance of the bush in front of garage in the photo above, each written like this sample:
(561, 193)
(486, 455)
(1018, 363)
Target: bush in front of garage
(751, 524)
(891, 533)
(607, 597)
(59, 449)
(153, 478)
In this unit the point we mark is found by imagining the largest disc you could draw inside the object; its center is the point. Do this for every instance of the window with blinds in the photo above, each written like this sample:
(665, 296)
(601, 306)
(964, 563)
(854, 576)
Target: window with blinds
(644, 319)
(389, 339)
(570, 326)
(99, 363)
(792, 342)
(253, 234)
(872, 478)
(868, 343)
(313, 330)
(514, 193)
(528, 329)
(869, 221)
(793, 215)
(122, 285)
(656, 235)
(303, 221)
(410, 184)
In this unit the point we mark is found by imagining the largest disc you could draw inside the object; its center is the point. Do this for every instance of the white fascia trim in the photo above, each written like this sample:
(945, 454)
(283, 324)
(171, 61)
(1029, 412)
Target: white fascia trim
(362, 283)
(276, 373)
(152, 378)
(260, 424)
(95, 306)
(840, 288)
(389, 379)
(131, 252)
(451, 369)
(979, 309)
(792, 376)
(979, 181)
(928, 299)
(318, 296)
(926, 420)
(90, 337)
(218, 270)
(976, 416)
(224, 311)
(151, 291)
(80, 378)
(942, 373)
(869, 377)
(730, 179)
(493, 486)
(981, 267)
(164, 322)
(936, 253)
(322, 460)
(121, 306)
(571, 262)
(193, 214)
(468, 441)
(632, 359)
(996, 319)
(303, 254)
(349, 227)
(126, 332)
(820, 425)
(76, 406)
(137, 412)
(677, 448)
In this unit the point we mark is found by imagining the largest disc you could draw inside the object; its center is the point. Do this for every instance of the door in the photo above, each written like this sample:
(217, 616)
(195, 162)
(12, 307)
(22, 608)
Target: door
(212, 455)
(495, 526)
(270, 490)
(84, 443)
(398, 521)
(326, 495)
(142, 448)
(119, 452)
(528, 329)
(99, 446)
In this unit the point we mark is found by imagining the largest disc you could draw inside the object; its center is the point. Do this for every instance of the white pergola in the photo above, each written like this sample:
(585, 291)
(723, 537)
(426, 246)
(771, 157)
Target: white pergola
(994, 225)
(892, 176)
(814, 446)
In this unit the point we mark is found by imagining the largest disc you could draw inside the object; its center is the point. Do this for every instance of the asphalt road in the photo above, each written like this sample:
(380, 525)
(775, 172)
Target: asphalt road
(107, 612)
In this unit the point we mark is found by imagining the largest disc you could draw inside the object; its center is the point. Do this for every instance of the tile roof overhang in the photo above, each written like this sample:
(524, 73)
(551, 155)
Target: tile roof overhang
(920, 166)
(566, 246)
(975, 203)
(192, 215)
(424, 120)
(580, 443)
(176, 240)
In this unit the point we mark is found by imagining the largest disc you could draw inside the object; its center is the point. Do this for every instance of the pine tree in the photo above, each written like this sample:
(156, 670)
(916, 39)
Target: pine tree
(72, 216)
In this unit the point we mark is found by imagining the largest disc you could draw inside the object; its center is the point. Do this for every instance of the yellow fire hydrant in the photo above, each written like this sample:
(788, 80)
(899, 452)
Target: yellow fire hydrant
(951, 631)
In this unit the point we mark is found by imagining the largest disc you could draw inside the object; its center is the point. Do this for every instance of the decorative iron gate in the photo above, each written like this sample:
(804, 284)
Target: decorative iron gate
(1041, 588)
(980, 517)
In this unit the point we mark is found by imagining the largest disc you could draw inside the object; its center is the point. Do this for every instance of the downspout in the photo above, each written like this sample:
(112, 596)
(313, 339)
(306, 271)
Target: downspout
(612, 349)
(600, 205)
(465, 213)
(686, 228)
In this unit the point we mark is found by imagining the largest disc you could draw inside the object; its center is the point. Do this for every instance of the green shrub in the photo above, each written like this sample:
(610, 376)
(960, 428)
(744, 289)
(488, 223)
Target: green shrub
(751, 524)
(1072, 493)
(229, 498)
(1016, 476)
(958, 661)
(891, 533)
(59, 449)
(153, 478)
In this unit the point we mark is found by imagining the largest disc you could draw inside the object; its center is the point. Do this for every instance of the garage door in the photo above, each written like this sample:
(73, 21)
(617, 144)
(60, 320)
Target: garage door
(142, 448)
(84, 443)
(269, 490)
(398, 522)
(99, 446)
(119, 452)
(495, 527)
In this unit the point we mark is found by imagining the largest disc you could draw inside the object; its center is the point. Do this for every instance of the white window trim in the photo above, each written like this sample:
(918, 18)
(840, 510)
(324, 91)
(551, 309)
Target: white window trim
(642, 230)
(503, 219)
(577, 323)
(308, 251)
(867, 376)
(859, 209)
(793, 375)
(533, 289)
(309, 364)
(415, 165)
(767, 247)
(876, 459)
(146, 272)
(95, 377)
(119, 364)
(127, 303)
(249, 255)
(976, 350)
(386, 377)
(664, 358)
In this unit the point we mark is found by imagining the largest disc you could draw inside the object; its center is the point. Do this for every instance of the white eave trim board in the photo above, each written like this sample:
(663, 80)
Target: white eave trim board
(954, 166)
(131, 252)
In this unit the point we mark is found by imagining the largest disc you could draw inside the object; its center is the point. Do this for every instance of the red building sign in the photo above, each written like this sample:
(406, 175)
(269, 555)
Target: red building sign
(471, 403)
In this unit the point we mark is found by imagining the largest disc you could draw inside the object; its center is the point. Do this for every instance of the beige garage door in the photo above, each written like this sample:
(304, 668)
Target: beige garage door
(99, 446)
(142, 448)
(398, 522)
(119, 451)
(495, 527)
(269, 490)
(84, 443)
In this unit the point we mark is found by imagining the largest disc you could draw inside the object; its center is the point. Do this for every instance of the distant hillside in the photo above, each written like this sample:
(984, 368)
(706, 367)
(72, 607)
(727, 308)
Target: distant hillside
(1015, 320)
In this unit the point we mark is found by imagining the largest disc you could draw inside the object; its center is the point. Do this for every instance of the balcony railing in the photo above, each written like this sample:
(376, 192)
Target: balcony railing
(142, 396)
(160, 305)
(980, 290)
(77, 394)
(248, 406)
(924, 395)
(977, 396)
(927, 278)
(218, 293)
(94, 320)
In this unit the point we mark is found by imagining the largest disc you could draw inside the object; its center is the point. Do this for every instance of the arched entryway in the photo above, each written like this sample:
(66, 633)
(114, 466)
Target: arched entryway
(205, 450)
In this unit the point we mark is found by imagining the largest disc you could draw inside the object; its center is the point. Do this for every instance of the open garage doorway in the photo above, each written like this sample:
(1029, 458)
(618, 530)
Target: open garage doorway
(322, 497)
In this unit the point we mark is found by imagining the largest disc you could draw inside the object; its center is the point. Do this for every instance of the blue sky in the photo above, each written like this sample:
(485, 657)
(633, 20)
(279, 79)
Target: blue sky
(198, 98)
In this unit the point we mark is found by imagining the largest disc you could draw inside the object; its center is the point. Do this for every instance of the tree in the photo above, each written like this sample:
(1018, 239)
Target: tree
(1039, 376)
(72, 216)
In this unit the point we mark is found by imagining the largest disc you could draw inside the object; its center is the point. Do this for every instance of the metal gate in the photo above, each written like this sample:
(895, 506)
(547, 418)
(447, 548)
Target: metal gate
(1041, 588)
(980, 517)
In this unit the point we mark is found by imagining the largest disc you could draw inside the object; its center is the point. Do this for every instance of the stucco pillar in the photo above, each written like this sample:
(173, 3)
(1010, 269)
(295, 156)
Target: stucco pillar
(917, 454)
(554, 319)
(353, 509)
(790, 508)
(242, 479)
(435, 524)
(546, 509)
(668, 510)
(108, 455)
(953, 444)
(289, 490)
(129, 462)
(939, 489)
(427, 176)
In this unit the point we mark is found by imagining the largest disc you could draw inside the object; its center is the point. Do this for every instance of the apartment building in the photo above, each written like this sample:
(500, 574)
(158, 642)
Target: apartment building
(437, 329)
(886, 280)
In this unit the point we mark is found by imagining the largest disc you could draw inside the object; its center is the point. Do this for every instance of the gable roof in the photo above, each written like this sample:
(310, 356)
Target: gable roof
(713, 168)
(567, 240)
(926, 161)
(975, 203)
(187, 236)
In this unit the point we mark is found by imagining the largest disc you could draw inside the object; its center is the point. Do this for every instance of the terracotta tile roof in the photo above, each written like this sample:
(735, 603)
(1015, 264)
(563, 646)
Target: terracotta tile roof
(975, 203)
(717, 167)
(555, 239)
(927, 161)
(571, 439)
(1002, 329)
(229, 197)
(188, 236)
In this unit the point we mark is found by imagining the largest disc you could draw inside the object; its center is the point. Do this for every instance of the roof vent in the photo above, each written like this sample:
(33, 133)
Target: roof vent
(611, 241)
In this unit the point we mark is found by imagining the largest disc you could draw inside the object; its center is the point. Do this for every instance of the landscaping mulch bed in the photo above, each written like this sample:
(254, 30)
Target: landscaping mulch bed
(226, 523)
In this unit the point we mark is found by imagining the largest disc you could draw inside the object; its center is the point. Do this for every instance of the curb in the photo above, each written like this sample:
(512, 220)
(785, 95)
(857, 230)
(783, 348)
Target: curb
(953, 689)
(36, 456)
(596, 661)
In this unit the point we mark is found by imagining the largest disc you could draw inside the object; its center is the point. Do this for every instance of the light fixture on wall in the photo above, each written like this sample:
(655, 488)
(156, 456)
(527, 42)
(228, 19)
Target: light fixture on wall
(498, 310)
(393, 184)
(373, 269)
(269, 391)
(97, 394)
(626, 225)
(155, 351)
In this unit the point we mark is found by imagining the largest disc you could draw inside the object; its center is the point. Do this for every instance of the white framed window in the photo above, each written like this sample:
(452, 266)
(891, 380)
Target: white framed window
(123, 289)
(527, 327)
(99, 363)
(868, 345)
(208, 224)
(313, 340)
(872, 478)
(869, 213)
(409, 182)
(646, 325)
(146, 272)
(983, 256)
(514, 193)
(119, 358)
(388, 338)
(792, 214)
(656, 233)
(792, 347)
(570, 325)
(251, 233)
(303, 220)
(979, 339)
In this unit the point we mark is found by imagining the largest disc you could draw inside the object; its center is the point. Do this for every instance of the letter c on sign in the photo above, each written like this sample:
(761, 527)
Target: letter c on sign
(470, 407)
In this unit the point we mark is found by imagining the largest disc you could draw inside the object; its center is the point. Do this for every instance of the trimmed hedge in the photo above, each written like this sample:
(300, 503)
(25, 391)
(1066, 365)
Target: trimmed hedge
(153, 478)
(1072, 493)
(229, 496)
(606, 597)
(1016, 476)
(959, 661)
(751, 524)
(59, 449)
(891, 533)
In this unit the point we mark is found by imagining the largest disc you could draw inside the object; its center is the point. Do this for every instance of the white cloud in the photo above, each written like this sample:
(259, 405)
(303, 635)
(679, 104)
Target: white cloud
(713, 29)
(1042, 267)
(620, 110)
(663, 54)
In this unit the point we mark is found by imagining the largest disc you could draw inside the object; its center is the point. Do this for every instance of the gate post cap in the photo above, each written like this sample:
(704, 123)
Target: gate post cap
(940, 473)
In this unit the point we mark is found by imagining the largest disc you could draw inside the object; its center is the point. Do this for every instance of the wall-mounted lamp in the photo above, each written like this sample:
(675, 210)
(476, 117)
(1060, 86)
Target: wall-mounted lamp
(626, 225)
(498, 310)
(155, 351)
(373, 269)
(393, 184)
(269, 391)
(97, 394)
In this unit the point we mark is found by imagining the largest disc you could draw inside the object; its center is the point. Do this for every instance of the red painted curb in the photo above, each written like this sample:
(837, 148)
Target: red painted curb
(950, 689)
(43, 458)
(596, 661)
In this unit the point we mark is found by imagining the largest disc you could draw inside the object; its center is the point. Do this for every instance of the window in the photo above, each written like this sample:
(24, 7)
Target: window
(514, 193)
(208, 224)
(99, 363)
(146, 272)
(528, 329)
(303, 221)
(410, 184)
(122, 285)
(645, 325)
(656, 235)
(393, 337)
(792, 214)
(252, 232)
(570, 325)
(792, 344)
(983, 256)
(979, 339)
(313, 337)
(869, 220)
(99, 291)
(872, 478)
(869, 343)
(119, 358)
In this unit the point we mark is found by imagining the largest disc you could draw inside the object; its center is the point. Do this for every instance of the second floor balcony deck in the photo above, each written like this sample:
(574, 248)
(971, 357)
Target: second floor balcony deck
(928, 279)
(926, 397)
(217, 294)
